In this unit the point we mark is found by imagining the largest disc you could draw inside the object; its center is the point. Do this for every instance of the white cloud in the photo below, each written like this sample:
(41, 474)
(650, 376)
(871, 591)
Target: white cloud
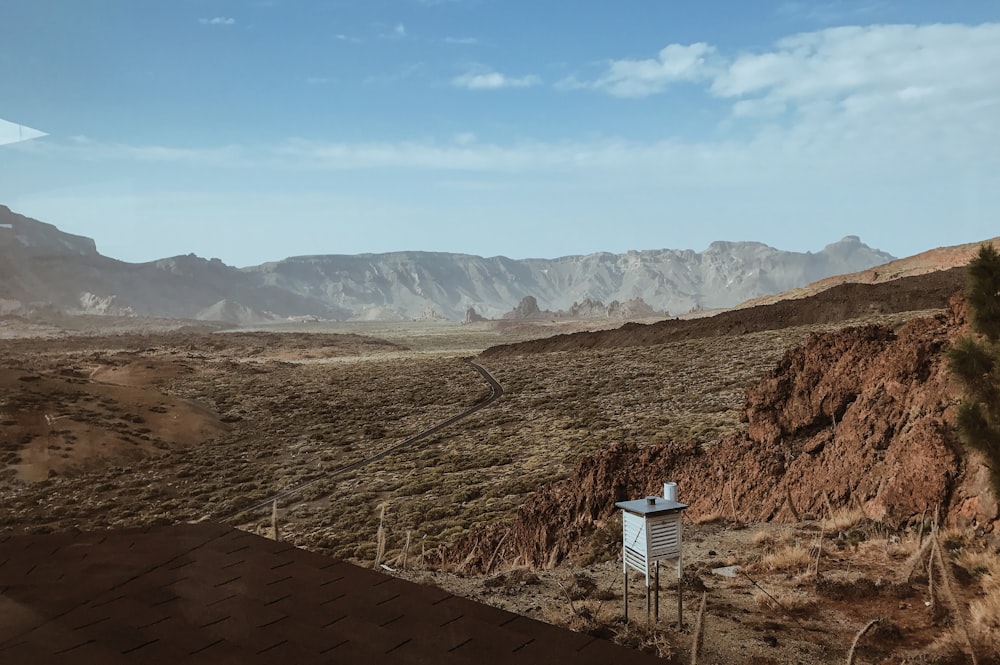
(463, 41)
(218, 20)
(913, 90)
(841, 71)
(916, 90)
(676, 63)
(481, 78)
(841, 64)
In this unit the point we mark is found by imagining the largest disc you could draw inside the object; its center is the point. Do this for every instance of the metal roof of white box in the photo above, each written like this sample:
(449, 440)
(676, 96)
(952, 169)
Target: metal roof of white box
(651, 506)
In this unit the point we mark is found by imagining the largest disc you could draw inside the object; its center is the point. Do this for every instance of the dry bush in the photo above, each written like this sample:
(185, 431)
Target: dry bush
(763, 538)
(771, 539)
(984, 616)
(844, 519)
(954, 539)
(708, 518)
(521, 576)
(948, 648)
(790, 602)
(636, 635)
(785, 559)
(892, 548)
(979, 562)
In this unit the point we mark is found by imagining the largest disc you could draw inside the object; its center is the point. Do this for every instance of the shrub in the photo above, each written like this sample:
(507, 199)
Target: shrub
(975, 361)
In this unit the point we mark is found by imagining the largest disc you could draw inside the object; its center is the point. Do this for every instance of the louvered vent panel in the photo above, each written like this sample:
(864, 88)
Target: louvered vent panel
(635, 560)
(634, 534)
(665, 536)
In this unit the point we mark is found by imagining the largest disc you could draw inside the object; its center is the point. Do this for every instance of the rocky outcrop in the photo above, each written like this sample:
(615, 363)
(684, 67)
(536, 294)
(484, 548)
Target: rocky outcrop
(526, 310)
(431, 314)
(636, 308)
(862, 417)
(91, 303)
(472, 316)
(588, 309)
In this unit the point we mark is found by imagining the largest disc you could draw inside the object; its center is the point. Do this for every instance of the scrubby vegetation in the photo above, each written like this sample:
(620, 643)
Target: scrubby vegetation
(975, 360)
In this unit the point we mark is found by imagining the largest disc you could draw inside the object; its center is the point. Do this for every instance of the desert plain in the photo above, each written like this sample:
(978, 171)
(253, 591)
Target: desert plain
(113, 423)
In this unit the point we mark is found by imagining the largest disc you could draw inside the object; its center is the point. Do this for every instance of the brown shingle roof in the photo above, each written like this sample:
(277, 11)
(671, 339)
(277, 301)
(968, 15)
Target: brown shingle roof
(209, 593)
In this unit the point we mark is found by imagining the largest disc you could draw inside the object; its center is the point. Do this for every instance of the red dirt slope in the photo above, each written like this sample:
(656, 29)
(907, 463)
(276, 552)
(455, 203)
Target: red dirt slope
(862, 415)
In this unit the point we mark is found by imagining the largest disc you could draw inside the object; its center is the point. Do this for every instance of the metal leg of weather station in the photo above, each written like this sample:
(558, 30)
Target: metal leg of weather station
(648, 590)
(656, 582)
(625, 593)
(680, 595)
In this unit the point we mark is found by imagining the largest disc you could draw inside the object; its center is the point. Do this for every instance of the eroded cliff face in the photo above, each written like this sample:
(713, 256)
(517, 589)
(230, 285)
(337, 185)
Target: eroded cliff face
(862, 417)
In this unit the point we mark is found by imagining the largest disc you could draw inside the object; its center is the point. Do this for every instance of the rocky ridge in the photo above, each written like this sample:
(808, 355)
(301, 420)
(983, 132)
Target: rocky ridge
(40, 264)
(676, 281)
(528, 310)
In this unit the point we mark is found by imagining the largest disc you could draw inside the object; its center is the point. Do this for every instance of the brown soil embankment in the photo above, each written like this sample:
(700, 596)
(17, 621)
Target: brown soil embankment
(861, 417)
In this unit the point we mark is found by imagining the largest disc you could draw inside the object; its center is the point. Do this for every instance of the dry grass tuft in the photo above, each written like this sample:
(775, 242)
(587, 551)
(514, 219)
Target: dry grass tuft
(953, 539)
(984, 617)
(843, 519)
(787, 558)
(895, 547)
(789, 602)
(650, 640)
(708, 518)
(979, 562)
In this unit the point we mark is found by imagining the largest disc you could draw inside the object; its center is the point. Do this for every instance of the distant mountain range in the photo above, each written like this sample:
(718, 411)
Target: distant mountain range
(39, 265)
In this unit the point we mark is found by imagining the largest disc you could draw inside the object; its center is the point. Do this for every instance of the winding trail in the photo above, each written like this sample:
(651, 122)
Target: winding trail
(496, 391)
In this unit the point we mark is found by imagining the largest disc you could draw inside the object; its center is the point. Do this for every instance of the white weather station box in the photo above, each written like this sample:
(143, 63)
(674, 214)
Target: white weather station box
(651, 531)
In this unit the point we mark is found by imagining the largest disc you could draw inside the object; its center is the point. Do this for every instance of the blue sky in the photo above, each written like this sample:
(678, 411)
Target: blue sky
(256, 130)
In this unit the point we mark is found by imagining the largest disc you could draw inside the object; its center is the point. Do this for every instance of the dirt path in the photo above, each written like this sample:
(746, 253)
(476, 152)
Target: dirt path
(496, 391)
